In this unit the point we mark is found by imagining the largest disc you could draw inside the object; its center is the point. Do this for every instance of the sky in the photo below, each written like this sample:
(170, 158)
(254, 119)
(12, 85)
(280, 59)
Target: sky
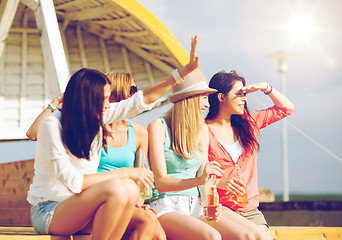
(240, 35)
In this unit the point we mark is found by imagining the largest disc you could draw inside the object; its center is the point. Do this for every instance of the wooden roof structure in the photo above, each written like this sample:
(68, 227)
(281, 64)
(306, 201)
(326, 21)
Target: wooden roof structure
(42, 42)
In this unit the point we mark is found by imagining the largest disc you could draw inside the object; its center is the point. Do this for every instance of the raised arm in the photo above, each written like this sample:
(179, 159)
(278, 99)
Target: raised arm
(154, 92)
(277, 98)
(32, 132)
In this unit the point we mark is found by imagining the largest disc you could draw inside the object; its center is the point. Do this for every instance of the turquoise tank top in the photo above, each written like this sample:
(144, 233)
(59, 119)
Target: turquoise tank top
(178, 167)
(119, 157)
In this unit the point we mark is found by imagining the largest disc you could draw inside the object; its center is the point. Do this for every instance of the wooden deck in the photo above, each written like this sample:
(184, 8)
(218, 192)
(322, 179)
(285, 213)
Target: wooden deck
(278, 233)
(15, 211)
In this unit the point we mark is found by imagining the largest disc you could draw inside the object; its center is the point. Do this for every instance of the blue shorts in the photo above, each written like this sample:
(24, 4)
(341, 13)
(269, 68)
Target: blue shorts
(41, 216)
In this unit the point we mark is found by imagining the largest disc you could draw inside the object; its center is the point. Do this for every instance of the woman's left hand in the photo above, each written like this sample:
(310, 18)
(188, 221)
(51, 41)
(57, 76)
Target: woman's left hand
(255, 87)
(218, 212)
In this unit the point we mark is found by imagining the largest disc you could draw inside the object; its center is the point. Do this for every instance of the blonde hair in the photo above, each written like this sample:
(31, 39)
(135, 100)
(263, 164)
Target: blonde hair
(120, 85)
(185, 123)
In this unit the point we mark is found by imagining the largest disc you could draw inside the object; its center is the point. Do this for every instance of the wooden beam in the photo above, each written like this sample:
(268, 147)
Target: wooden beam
(104, 55)
(8, 9)
(70, 4)
(32, 4)
(112, 22)
(52, 47)
(130, 34)
(149, 73)
(2, 88)
(65, 44)
(22, 30)
(89, 13)
(96, 29)
(141, 53)
(23, 82)
(84, 62)
(126, 59)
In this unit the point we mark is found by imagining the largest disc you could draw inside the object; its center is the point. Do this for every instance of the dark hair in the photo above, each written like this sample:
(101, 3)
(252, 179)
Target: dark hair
(82, 110)
(242, 126)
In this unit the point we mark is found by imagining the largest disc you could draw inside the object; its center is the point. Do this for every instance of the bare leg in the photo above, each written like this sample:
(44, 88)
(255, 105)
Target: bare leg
(261, 233)
(265, 233)
(178, 226)
(109, 205)
(145, 225)
(230, 230)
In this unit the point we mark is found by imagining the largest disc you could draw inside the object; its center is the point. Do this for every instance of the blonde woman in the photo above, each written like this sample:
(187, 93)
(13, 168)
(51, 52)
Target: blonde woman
(178, 150)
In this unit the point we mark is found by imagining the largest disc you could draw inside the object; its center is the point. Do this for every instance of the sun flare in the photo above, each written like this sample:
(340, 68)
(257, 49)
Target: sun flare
(302, 29)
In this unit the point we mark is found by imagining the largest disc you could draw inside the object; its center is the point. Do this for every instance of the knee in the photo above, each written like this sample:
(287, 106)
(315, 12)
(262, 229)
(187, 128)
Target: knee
(263, 233)
(213, 234)
(122, 192)
(248, 236)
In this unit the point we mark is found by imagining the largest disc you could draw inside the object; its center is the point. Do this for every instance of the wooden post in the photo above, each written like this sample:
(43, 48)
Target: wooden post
(8, 9)
(52, 46)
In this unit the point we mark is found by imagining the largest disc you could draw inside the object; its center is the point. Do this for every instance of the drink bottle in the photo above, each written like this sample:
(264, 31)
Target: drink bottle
(242, 199)
(141, 162)
(213, 200)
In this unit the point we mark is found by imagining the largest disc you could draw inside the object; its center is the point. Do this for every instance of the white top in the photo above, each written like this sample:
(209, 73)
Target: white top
(234, 150)
(58, 173)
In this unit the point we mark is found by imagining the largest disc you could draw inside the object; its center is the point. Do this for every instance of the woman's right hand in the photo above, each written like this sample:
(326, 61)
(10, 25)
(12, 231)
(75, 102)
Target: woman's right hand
(235, 185)
(142, 175)
(209, 169)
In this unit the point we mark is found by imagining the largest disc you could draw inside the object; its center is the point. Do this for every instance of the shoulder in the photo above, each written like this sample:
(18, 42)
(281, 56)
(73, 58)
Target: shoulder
(54, 119)
(50, 126)
(139, 129)
(204, 132)
(156, 124)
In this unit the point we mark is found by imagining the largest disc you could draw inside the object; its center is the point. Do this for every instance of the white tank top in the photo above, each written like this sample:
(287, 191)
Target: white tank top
(234, 150)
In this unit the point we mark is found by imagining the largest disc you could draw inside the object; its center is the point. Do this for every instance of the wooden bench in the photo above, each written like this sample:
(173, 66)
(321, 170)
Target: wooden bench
(278, 233)
(15, 178)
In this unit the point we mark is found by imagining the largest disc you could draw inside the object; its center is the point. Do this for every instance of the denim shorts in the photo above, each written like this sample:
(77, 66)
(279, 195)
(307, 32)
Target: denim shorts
(41, 216)
(188, 205)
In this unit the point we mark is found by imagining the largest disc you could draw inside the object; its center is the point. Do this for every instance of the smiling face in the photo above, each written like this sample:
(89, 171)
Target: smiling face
(235, 100)
(204, 104)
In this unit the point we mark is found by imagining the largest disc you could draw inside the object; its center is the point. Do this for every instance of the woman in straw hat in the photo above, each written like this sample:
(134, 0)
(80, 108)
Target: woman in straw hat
(178, 150)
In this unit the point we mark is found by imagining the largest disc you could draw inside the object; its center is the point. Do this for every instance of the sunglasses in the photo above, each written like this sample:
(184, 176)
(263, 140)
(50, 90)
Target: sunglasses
(133, 90)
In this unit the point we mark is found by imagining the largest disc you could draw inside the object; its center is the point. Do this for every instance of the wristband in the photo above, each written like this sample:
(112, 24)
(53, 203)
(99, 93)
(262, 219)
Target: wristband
(52, 107)
(177, 76)
(266, 93)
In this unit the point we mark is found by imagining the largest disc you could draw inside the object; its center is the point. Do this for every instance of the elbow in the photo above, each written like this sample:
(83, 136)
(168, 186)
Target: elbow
(160, 188)
(30, 136)
(291, 107)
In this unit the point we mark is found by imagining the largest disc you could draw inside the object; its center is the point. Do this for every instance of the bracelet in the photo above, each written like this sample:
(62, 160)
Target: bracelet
(177, 76)
(266, 93)
(52, 107)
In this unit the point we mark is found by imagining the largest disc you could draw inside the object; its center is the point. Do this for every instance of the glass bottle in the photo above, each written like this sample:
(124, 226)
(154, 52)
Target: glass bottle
(141, 162)
(213, 200)
(242, 199)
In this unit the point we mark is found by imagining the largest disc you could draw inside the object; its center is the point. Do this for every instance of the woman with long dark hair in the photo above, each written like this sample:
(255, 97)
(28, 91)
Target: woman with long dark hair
(67, 194)
(233, 133)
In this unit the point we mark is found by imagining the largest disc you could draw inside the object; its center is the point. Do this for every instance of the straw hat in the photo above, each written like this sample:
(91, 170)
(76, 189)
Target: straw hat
(194, 84)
